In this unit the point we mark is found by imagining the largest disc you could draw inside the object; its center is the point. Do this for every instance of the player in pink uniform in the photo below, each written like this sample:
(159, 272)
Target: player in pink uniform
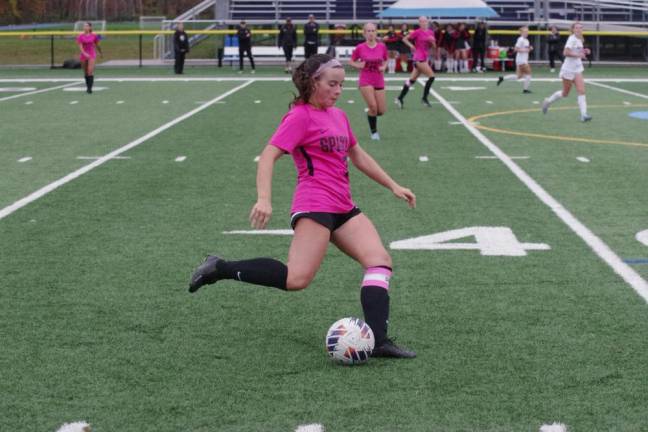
(371, 58)
(423, 39)
(87, 42)
(319, 138)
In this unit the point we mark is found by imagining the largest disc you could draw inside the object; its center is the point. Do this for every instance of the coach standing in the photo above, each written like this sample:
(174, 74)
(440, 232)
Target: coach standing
(479, 46)
(311, 36)
(180, 48)
(245, 45)
(287, 40)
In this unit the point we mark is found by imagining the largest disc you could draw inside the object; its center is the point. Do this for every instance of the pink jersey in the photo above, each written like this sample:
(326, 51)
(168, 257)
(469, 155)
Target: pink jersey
(87, 41)
(423, 41)
(319, 141)
(371, 75)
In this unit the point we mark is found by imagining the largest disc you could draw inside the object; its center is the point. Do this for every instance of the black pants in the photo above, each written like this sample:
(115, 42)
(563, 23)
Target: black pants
(309, 50)
(478, 53)
(553, 54)
(242, 51)
(288, 52)
(179, 61)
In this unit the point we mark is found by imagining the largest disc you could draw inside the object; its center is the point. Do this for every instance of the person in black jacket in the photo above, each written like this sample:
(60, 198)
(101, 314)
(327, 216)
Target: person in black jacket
(553, 45)
(479, 46)
(245, 45)
(311, 36)
(180, 48)
(287, 40)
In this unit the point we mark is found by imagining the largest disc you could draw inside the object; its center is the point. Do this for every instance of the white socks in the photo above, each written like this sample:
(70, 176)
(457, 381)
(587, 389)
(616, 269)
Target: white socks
(554, 97)
(527, 82)
(582, 104)
(510, 77)
(391, 66)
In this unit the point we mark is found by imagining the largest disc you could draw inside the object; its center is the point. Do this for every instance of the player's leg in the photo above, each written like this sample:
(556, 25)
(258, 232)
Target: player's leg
(241, 54)
(557, 95)
(359, 239)
(579, 83)
(511, 77)
(306, 252)
(90, 74)
(249, 54)
(369, 96)
(406, 87)
(526, 71)
(426, 70)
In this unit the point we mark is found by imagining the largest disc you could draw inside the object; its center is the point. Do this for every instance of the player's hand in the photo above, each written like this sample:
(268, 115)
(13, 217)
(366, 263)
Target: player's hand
(360, 64)
(405, 194)
(260, 214)
(587, 51)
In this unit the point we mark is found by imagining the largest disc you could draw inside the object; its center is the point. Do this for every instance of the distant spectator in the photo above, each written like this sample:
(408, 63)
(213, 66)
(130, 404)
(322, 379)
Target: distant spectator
(245, 45)
(553, 44)
(180, 48)
(479, 46)
(391, 40)
(462, 47)
(311, 36)
(403, 49)
(287, 40)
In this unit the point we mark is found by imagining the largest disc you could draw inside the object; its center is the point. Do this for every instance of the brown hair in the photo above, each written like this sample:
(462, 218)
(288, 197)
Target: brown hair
(303, 77)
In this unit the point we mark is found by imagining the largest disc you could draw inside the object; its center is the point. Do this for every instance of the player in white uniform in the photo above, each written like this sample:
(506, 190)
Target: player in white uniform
(523, 70)
(571, 72)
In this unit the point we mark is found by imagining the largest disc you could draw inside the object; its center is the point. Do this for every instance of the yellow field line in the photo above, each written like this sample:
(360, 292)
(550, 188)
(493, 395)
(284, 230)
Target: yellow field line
(475, 118)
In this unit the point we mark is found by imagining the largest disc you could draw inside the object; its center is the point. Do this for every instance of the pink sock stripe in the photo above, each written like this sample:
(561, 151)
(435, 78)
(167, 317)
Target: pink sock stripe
(377, 276)
(379, 270)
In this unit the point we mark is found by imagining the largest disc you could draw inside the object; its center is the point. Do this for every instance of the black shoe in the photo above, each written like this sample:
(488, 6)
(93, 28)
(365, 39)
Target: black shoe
(388, 349)
(89, 91)
(426, 102)
(527, 91)
(500, 80)
(205, 274)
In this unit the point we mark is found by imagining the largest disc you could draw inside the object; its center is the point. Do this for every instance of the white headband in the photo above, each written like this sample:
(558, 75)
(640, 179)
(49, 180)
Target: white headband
(333, 63)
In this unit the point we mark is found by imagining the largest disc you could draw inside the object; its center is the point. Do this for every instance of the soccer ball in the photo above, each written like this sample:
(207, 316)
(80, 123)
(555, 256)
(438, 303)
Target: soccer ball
(350, 341)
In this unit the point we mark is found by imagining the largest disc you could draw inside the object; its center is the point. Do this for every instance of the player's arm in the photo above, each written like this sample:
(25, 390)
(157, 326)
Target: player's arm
(568, 52)
(262, 210)
(406, 41)
(98, 47)
(368, 165)
(85, 54)
(356, 62)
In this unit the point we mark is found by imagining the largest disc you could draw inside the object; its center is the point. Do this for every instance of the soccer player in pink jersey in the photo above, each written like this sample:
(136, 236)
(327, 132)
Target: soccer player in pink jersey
(423, 39)
(319, 138)
(87, 42)
(370, 57)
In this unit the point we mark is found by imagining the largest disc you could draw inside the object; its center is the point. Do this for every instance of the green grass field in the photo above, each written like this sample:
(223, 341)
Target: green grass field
(97, 323)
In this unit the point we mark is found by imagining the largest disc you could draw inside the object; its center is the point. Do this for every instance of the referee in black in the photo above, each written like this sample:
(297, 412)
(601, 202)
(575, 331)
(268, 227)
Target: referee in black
(311, 36)
(245, 45)
(287, 40)
(180, 48)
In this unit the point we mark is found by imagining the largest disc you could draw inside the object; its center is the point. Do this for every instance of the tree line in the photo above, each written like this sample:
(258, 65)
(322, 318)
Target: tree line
(42, 11)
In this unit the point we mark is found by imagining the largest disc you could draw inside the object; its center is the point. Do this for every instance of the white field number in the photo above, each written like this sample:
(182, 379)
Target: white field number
(489, 241)
(642, 237)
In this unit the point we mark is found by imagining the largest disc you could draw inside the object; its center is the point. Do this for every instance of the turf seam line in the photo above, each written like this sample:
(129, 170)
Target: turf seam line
(40, 91)
(597, 245)
(86, 168)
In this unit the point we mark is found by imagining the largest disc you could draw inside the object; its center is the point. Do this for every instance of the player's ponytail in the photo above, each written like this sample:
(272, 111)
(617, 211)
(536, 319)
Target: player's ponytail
(307, 73)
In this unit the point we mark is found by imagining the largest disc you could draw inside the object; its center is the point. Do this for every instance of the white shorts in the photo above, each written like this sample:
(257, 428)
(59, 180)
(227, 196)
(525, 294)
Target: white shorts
(569, 75)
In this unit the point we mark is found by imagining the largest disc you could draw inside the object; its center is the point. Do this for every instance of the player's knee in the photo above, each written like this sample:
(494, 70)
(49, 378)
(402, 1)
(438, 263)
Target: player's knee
(298, 282)
(380, 112)
(372, 110)
(379, 258)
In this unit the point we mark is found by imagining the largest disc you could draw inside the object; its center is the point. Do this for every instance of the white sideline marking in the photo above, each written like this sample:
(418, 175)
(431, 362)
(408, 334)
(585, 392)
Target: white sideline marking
(99, 157)
(165, 101)
(24, 159)
(257, 101)
(119, 102)
(554, 427)
(626, 103)
(29, 102)
(457, 88)
(261, 232)
(536, 102)
(423, 158)
(257, 158)
(597, 245)
(489, 102)
(80, 426)
(74, 82)
(350, 101)
(74, 102)
(620, 90)
(495, 157)
(181, 158)
(79, 172)
(582, 159)
(642, 237)
(314, 427)
(82, 89)
(454, 123)
(16, 89)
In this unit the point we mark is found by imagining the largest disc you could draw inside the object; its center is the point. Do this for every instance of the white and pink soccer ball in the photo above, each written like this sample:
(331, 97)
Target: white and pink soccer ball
(350, 341)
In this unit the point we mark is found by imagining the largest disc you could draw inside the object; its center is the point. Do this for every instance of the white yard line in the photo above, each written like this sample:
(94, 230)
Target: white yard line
(617, 89)
(181, 158)
(75, 174)
(597, 245)
(40, 91)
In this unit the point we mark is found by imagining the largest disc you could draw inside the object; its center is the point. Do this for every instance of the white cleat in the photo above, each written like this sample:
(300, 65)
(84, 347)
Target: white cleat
(399, 103)
(545, 106)
(585, 118)
(375, 136)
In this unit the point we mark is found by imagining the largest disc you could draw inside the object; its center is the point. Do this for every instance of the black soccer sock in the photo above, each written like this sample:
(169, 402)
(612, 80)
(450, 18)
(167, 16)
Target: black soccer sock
(375, 305)
(87, 81)
(406, 88)
(428, 84)
(373, 123)
(259, 271)
(90, 81)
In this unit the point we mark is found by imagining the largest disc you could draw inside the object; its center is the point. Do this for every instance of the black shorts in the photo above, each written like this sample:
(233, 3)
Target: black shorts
(332, 221)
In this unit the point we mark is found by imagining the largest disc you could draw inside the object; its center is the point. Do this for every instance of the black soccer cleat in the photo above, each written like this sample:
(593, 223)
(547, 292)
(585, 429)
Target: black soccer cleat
(500, 80)
(426, 102)
(389, 349)
(205, 274)
(527, 91)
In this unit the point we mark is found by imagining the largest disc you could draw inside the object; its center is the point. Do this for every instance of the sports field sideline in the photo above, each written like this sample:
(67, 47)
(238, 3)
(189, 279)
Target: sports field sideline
(520, 278)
